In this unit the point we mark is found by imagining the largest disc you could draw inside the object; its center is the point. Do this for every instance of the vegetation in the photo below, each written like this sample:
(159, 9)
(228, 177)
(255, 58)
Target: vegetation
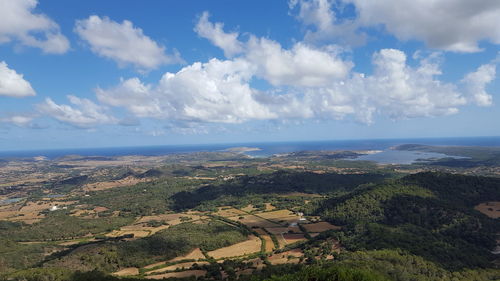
(59, 225)
(164, 245)
(277, 183)
(427, 214)
(415, 227)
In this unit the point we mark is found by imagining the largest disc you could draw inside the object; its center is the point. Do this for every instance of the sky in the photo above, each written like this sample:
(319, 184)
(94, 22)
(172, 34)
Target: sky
(133, 73)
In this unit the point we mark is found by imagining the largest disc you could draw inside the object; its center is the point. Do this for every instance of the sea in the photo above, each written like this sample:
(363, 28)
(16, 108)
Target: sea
(265, 149)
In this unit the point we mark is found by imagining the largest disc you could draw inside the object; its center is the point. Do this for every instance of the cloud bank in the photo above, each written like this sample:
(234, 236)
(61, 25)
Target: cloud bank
(306, 82)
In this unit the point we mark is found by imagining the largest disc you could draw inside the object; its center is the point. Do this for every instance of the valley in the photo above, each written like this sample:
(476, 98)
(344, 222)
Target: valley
(225, 215)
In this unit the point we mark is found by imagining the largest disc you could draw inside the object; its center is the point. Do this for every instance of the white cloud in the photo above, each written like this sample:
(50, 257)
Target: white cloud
(219, 92)
(302, 65)
(399, 91)
(12, 84)
(452, 25)
(123, 43)
(326, 26)
(19, 120)
(214, 32)
(216, 91)
(83, 113)
(137, 97)
(18, 23)
(305, 83)
(475, 83)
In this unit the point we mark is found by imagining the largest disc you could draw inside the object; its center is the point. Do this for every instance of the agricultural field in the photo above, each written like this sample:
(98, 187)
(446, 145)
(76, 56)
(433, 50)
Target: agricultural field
(179, 274)
(491, 209)
(250, 246)
(226, 217)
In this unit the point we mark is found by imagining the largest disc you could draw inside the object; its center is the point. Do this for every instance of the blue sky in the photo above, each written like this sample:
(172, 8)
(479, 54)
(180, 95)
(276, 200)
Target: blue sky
(124, 73)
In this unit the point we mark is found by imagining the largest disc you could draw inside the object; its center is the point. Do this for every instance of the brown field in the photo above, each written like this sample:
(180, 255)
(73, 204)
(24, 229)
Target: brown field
(185, 265)
(491, 209)
(88, 214)
(29, 213)
(320, 226)
(281, 240)
(254, 221)
(228, 211)
(171, 219)
(112, 184)
(136, 233)
(292, 238)
(277, 230)
(267, 238)
(127, 271)
(291, 256)
(280, 215)
(181, 274)
(140, 229)
(249, 208)
(269, 207)
(100, 209)
(195, 254)
(249, 246)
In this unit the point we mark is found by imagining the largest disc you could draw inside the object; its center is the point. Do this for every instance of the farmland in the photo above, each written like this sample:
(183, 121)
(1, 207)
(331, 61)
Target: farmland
(224, 215)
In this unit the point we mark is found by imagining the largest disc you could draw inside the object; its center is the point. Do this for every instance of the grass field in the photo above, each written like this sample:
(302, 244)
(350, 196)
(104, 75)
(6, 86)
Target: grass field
(182, 274)
(254, 221)
(291, 256)
(249, 208)
(269, 242)
(280, 216)
(140, 228)
(127, 272)
(228, 211)
(30, 212)
(491, 209)
(250, 246)
(195, 254)
(185, 265)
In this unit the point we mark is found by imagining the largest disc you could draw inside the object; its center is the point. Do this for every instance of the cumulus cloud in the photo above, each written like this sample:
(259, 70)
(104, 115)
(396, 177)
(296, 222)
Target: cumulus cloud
(302, 65)
(452, 25)
(220, 92)
(216, 91)
(12, 84)
(123, 42)
(394, 89)
(475, 84)
(214, 32)
(82, 113)
(18, 23)
(305, 82)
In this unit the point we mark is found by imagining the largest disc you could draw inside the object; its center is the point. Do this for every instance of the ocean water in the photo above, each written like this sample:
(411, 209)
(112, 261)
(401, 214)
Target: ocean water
(266, 149)
(390, 156)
